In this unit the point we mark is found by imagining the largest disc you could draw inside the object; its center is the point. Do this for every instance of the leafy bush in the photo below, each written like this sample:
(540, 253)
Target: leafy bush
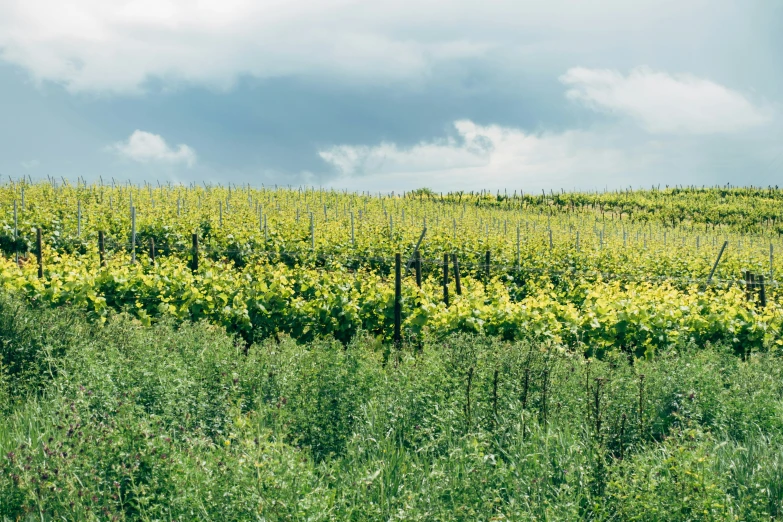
(179, 421)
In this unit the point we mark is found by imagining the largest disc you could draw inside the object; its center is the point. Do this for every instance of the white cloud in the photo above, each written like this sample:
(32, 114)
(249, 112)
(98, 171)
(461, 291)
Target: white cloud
(665, 103)
(30, 164)
(146, 147)
(117, 45)
(492, 157)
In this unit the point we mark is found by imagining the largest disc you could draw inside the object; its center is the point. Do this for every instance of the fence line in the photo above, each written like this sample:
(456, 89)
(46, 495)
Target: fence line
(478, 268)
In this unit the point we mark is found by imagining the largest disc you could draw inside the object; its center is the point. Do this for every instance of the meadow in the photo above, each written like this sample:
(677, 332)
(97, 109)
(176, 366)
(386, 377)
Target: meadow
(238, 353)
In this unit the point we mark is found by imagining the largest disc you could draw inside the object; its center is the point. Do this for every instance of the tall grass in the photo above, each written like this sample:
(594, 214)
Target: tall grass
(177, 422)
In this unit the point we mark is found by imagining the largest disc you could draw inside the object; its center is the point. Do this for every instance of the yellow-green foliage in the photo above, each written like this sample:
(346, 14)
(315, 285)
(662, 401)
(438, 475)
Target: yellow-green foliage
(627, 284)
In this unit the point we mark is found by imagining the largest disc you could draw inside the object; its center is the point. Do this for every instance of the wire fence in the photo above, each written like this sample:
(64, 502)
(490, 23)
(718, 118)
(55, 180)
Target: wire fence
(356, 262)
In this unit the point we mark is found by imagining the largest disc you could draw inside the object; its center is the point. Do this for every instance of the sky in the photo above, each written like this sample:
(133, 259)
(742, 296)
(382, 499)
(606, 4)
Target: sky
(392, 96)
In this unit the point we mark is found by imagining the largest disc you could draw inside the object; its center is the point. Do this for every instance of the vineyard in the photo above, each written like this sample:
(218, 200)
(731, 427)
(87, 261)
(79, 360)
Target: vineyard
(638, 271)
(276, 353)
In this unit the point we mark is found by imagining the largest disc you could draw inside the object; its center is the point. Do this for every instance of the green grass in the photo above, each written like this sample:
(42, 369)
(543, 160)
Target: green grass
(181, 422)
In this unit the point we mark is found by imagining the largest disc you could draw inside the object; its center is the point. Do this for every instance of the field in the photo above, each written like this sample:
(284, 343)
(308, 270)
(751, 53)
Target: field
(238, 353)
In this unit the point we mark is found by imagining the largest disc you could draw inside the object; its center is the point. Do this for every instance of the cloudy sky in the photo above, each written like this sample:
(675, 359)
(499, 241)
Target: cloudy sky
(378, 95)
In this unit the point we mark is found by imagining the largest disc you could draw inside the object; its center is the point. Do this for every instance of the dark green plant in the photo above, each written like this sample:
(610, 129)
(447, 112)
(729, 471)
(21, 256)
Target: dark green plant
(181, 422)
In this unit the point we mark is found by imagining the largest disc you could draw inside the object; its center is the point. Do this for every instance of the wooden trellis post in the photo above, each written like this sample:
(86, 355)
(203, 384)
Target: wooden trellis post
(397, 299)
(39, 252)
(446, 279)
